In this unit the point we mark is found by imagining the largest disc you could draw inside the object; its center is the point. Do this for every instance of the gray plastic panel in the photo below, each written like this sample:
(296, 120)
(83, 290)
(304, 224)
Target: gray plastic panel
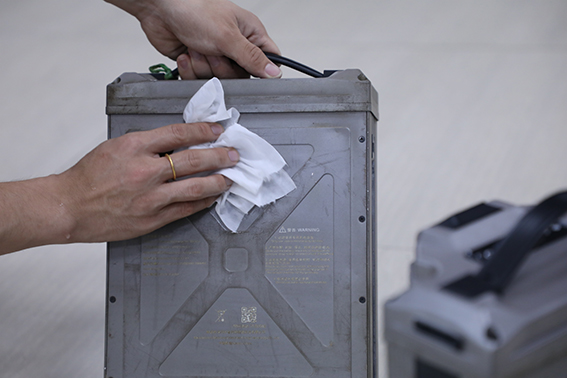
(292, 295)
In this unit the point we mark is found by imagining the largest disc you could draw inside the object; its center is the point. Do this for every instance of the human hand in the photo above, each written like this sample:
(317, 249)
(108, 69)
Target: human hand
(207, 37)
(122, 188)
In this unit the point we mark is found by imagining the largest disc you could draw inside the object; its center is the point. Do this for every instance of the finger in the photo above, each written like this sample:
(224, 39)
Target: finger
(224, 68)
(252, 59)
(195, 188)
(185, 68)
(240, 72)
(221, 67)
(200, 65)
(263, 41)
(193, 161)
(180, 210)
(171, 137)
(245, 45)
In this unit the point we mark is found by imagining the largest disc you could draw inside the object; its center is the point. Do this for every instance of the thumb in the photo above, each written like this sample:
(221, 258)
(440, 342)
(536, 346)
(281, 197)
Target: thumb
(250, 57)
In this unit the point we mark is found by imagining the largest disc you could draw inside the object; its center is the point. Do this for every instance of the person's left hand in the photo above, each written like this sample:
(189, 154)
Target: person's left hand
(122, 188)
(207, 37)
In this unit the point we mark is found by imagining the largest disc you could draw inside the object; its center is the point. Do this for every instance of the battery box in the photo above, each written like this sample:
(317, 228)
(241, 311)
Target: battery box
(292, 294)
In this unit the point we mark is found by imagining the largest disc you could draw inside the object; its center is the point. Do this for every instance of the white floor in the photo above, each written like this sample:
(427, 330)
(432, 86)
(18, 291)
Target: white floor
(472, 108)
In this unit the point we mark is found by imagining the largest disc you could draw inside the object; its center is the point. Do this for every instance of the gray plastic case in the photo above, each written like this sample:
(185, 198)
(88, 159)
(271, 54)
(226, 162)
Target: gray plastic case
(434, 333)
(293, 293)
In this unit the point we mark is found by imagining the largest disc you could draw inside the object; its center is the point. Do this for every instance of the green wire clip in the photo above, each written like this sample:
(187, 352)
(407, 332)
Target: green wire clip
(162, 68)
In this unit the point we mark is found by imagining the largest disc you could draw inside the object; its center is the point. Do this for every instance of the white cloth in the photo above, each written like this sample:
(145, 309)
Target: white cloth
(258, 178)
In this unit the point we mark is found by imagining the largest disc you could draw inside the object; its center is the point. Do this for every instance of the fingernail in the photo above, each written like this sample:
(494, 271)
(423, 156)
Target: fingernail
(273, 71)
(216, 129)
(183, 61)
(228, 181)
(233, 155)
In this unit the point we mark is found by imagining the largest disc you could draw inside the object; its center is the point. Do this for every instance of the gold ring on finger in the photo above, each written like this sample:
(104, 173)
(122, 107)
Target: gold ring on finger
(172, 166)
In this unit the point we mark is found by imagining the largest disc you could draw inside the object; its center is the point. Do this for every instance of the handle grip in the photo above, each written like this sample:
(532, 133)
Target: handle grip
(278, 59)
(162, 70)
(508, 257)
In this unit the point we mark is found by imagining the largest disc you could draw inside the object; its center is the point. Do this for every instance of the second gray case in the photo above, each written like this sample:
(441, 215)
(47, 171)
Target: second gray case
(521, 332)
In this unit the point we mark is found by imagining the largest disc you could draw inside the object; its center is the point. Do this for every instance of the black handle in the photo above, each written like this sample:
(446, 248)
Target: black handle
(507, 258)
(278, 59)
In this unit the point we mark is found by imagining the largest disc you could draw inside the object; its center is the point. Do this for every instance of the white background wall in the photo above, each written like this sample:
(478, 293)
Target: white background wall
(472, 108)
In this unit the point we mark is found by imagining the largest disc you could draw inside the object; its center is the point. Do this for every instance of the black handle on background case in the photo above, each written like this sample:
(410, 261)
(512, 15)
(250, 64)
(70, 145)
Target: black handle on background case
(508, 257)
